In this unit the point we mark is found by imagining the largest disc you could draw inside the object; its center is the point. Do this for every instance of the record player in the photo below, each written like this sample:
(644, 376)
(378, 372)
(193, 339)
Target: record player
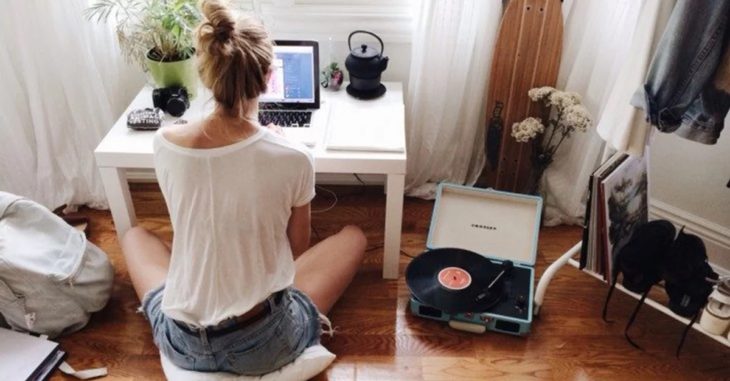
(478, 271)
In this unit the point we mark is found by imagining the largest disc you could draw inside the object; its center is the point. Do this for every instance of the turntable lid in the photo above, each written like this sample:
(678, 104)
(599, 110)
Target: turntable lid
(498, 225)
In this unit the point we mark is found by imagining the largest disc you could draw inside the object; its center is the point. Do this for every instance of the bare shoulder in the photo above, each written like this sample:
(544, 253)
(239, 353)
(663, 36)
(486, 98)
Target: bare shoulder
(184, 135)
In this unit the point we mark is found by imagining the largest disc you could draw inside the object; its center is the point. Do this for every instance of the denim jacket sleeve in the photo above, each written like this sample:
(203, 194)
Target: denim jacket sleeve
(679, 86)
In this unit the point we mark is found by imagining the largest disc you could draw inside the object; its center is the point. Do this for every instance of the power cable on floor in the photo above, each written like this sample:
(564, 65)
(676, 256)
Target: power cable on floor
(331, 205)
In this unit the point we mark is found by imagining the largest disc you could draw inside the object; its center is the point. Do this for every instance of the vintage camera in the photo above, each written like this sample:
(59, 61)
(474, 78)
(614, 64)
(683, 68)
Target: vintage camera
(173, 100)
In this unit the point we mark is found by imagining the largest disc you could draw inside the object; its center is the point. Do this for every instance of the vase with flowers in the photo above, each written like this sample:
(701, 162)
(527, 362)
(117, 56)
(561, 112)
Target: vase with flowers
(564, 115)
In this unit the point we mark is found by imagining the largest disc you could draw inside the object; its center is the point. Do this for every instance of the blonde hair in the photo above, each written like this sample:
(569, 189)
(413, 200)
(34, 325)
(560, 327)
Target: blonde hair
(234, 57)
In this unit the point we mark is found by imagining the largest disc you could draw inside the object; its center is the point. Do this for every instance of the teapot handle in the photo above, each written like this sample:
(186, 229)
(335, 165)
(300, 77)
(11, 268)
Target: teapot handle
(349, 45)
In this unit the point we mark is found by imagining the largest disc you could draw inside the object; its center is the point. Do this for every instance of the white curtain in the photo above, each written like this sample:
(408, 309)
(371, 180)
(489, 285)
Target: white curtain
(62, 85)
(451, 55)
(606, 49)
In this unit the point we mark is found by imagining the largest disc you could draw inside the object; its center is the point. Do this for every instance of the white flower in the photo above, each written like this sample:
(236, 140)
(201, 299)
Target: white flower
(574, 96)
(540, 92)
(562, 99)
(527, 129)
(578, 117)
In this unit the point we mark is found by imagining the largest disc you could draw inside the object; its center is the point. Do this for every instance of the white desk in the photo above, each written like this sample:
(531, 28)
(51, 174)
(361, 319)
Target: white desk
(123, 149)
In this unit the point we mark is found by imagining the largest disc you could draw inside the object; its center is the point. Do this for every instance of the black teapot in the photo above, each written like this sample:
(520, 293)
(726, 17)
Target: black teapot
(365, 64)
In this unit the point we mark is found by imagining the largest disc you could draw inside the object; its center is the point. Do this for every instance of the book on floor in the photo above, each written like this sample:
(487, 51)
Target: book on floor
(27, 357)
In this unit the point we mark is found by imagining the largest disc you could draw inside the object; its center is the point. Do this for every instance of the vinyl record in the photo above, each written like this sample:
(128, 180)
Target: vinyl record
(452, 280)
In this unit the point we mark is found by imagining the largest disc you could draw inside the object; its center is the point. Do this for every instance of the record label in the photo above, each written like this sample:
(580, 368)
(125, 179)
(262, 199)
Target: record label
(454, 278)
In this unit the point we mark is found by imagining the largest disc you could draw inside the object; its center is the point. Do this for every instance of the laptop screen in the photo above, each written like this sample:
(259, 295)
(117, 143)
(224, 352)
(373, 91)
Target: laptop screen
(293, 78)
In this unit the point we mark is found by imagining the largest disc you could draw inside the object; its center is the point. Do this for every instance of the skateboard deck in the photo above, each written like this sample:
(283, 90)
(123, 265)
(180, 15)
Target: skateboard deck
(526, 55)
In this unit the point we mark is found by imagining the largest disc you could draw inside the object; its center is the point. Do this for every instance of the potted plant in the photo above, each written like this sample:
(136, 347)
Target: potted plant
(157, 35)
(332, 77)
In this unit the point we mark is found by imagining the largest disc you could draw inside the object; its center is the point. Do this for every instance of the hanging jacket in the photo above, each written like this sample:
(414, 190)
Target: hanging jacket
(51, 277)
(686, 90)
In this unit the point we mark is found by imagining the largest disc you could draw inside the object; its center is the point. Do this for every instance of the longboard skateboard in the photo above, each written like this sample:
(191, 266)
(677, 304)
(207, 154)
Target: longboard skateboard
(526, 55)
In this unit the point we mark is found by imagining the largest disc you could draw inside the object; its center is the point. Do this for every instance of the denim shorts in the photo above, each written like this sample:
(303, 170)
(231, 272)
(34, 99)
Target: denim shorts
(267, 344)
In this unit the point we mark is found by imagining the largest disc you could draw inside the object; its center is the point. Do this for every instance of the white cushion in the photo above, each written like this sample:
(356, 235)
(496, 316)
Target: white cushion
(310, 363)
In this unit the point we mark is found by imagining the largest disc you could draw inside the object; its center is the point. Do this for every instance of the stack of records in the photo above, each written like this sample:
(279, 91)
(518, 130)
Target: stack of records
(26, 357)
(617, 205)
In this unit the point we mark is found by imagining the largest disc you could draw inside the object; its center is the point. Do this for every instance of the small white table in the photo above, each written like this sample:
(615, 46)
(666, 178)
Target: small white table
(123, 148)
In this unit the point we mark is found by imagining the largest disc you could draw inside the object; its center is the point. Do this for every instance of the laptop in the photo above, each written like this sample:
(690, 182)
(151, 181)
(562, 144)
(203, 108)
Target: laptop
(291, 99)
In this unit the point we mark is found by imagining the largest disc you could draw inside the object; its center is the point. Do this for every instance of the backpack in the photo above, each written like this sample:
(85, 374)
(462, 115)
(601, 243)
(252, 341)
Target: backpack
(51, 277)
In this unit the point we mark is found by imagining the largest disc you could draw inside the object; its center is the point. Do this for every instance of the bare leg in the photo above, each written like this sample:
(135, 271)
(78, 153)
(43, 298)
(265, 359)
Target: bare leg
(148, 259)
(325, 270)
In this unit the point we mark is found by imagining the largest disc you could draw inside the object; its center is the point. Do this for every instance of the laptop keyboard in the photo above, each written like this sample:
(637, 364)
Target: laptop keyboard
(286, 118)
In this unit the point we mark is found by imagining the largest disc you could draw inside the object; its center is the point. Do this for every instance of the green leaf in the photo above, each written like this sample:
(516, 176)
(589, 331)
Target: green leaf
(164, 26)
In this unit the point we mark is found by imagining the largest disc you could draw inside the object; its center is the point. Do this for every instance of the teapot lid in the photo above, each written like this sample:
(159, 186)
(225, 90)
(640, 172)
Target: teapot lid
(365, 52)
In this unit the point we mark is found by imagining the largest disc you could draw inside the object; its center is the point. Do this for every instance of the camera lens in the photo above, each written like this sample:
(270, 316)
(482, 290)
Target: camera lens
(176, 106)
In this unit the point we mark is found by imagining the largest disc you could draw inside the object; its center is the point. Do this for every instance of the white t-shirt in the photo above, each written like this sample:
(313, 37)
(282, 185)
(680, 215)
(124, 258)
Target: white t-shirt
(229, 208)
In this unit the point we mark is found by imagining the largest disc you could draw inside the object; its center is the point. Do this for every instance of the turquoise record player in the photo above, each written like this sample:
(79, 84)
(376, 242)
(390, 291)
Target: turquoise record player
(499, 226)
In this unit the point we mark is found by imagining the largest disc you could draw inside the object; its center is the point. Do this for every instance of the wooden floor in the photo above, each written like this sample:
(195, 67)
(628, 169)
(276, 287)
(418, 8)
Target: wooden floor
(377, 339)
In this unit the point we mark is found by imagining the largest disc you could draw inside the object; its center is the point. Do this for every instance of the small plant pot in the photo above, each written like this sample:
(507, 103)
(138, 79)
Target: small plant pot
(332, 77)
(174, 73)
(335, 81)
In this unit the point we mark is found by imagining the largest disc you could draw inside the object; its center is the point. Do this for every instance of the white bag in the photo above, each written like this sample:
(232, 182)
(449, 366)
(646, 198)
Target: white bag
(51, 277)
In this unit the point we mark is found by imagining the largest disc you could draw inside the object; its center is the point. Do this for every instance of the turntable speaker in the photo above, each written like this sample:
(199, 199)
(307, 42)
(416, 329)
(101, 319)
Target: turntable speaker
(478, 273)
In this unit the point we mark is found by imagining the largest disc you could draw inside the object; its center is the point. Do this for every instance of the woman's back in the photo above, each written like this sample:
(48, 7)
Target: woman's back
(229, 207)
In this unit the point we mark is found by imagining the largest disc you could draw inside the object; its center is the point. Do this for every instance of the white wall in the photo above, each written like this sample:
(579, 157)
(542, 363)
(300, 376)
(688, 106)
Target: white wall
(689, 186)
(330, 22)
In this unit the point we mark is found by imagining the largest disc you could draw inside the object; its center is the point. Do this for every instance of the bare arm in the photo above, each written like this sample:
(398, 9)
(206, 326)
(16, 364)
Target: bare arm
(298, 229)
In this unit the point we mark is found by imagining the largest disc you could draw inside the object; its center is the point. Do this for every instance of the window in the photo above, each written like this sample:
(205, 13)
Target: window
(323, 20)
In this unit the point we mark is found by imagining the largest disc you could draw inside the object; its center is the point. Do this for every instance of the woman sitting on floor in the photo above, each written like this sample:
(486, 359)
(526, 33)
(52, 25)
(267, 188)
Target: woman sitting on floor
(231, 296)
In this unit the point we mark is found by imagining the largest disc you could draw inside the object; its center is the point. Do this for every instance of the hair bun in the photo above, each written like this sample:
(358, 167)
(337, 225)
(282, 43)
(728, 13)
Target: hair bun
(219, 17)
(234, 57)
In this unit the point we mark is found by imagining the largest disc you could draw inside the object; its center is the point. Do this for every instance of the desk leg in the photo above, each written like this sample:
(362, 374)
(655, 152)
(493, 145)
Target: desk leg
(119, 198)
(393, 224)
